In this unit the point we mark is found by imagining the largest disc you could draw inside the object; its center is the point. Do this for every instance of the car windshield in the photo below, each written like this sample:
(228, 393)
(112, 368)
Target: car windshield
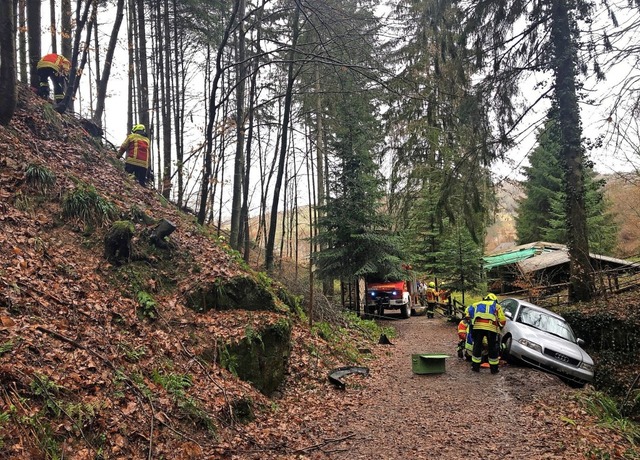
(545, 322)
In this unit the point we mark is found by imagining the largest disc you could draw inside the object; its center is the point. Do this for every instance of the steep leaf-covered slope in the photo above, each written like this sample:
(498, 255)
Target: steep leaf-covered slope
(108, 361)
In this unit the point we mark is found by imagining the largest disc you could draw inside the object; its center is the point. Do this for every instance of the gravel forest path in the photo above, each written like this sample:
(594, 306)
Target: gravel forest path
(395, 414)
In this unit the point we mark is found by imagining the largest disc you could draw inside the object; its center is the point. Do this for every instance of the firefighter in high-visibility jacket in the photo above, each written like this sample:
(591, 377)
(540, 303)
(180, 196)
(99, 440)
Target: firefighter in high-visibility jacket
(432, 299)
(463, 328)
(487, 318)
(55, 67)
(137, 147)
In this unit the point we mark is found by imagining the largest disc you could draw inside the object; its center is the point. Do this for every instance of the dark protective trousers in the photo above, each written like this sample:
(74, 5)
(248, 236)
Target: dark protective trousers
(59, 83)
(494, 348)
(139, 171)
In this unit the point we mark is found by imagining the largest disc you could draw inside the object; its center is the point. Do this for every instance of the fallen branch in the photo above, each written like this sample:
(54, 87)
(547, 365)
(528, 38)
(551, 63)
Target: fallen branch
(322, 444)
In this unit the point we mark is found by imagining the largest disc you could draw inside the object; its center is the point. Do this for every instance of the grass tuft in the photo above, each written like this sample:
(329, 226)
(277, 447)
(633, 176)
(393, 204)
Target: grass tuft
(84, 203)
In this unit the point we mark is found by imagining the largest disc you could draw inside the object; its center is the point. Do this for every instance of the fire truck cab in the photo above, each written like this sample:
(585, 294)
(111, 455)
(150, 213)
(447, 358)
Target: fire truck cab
(392, 295)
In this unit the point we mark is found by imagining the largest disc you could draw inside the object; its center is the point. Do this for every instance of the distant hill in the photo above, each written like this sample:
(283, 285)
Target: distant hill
(623, 190)
(502, 233)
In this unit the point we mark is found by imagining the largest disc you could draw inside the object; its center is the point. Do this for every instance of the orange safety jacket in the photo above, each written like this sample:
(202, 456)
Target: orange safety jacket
(487, 315)
(137, 148)
(432, 295)
(56, 62)
(462, 330)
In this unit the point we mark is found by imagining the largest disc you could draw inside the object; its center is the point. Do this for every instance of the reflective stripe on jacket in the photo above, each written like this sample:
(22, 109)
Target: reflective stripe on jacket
(487, 315)
(137, 148)
(468, 343)
(56, 62)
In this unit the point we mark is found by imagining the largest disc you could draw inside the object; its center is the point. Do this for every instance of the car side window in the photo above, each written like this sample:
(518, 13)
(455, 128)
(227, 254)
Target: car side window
(510, 306)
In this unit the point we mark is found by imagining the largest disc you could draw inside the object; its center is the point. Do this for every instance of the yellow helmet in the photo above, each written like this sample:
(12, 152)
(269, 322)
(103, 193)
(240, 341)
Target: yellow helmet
(432, 284)
(138, 128)
(490, 296)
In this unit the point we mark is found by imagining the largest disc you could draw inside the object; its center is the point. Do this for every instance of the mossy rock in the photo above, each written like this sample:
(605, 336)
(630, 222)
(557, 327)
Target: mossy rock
(260, 358)
(240, 292)
(117, 242)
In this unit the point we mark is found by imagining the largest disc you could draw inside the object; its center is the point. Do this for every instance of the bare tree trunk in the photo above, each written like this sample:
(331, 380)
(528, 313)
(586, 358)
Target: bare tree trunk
(245, 239)
(312, 200)
(159, 91)
(65, 28)
(131, 47)
(106, 71)
(238, 170)
(34, 19)
(206, 174)
(143, 90)
(76, 70)
(179, 102)
(8, 94)
(22, 42)
(157, 83)
(52, 29)
(294, 225)
(285, 203)
(269, 259)
(244, 215)
(166, 109)
(327, 285)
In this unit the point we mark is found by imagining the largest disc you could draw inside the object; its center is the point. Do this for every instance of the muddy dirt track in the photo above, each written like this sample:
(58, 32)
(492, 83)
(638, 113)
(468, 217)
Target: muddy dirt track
(396, 414)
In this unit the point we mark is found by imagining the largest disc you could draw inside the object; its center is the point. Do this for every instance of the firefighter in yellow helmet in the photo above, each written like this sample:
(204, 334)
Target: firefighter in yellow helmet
(487, 318)
(432, 299)
(136, 145)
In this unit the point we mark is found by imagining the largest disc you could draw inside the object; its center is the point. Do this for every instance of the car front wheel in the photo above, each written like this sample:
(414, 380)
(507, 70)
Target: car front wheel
(405, 310)
(506, 350)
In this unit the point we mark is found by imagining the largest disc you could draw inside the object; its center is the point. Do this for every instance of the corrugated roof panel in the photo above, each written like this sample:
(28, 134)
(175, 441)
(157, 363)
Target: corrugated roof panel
(544, 260)
(539, 245)
(508, 258)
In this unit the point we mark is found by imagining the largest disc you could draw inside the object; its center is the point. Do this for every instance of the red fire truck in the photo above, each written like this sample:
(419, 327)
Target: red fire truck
(391, 295)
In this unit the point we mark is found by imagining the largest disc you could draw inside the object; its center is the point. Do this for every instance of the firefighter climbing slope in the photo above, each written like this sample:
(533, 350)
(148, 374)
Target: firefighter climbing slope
(136, 146)
(56, 68)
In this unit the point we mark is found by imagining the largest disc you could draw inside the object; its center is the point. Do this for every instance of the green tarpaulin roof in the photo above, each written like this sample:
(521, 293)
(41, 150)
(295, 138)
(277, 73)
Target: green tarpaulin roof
(508, 258)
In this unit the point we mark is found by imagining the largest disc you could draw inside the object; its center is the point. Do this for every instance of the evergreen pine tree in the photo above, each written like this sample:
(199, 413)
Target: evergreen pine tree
(542, 214)
(353, 229)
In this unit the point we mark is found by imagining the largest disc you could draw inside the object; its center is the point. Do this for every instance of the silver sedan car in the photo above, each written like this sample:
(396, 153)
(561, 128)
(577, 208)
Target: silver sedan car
(544, 340)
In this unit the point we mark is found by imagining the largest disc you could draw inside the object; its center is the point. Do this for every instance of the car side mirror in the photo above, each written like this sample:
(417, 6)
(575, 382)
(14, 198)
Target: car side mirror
(580, 342)
(508, 314)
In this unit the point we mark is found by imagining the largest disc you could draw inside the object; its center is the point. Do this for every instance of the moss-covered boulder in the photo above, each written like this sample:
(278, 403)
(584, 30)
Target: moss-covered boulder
(261, 357)
(239, 292)
(117, 242)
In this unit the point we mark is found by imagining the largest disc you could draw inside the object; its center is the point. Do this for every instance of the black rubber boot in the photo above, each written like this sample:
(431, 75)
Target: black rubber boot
(494, 369)
(475, 367)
